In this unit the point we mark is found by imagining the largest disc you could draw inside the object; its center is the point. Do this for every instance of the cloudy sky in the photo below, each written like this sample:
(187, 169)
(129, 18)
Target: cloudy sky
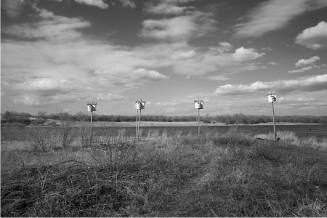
(59, 54)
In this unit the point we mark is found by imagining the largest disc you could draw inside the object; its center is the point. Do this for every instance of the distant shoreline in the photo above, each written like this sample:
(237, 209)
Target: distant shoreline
(57, 123)
(177, 124)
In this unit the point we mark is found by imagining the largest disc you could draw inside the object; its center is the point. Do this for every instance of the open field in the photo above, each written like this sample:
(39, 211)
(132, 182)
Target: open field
(21, 133)
(169, 172)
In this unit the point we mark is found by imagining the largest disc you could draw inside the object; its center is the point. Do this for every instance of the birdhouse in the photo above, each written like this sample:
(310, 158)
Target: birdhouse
(91, 107)
(142, 104)
(272, 98)
(139, 105)
(198, 104)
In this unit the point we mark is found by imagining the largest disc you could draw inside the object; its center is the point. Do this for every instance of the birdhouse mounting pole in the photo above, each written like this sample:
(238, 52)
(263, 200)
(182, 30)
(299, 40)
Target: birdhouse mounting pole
(198, 122)
(140, 122)
(139, 105)
(136, 124)
(273, 111)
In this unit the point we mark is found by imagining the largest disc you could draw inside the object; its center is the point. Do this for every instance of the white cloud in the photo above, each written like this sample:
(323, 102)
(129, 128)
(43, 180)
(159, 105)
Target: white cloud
(272, 63)
(225, 46)
(96, 3)
(28, 99)
(140, 73)
(312, 83)
(307, 65)
(222, 48)
(165, 7)
(273, 15)
(12, 8)
(246, 54)
(128, 3)
(177, 28)
(50, 60)
(183, 54)
(314, 37)
(51, 27)
(303, 69)
(307, 68)
(305, 62)
(218, 78)
(45, 84)
(174, 28)
(65, 66)
(176, 23)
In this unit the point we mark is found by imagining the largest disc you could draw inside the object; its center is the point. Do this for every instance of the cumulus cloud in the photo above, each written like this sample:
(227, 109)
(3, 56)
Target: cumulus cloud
(12, 8)
(305, 62)
(177, 22)
(307, 68)
(177, 28)
(152, 74)
(314, 37)
(218, 78)
(310, 84)
(192, 61)
(303, 69)
(304, 65)
(51, 27)
(245, 54)
(170, 7)
(174, 28)
(44, 71)
(273, 15)
(183, 54)
(222, 48)
(96, 3)
(128, 3)
(45, 84)
(28, 99)
(50, 60)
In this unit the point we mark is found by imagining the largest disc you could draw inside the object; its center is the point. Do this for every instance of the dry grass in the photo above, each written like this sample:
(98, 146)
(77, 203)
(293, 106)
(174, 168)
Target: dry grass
(288, 137)
(213, 175)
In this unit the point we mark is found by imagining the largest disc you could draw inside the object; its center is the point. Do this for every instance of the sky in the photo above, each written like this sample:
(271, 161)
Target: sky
(58, 55)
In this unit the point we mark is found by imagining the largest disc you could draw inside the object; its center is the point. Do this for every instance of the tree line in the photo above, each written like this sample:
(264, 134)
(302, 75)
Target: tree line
(41, 117)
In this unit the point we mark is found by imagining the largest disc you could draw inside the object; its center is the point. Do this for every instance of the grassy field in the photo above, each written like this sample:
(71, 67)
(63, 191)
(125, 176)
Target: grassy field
(69, 172)
(22, 133)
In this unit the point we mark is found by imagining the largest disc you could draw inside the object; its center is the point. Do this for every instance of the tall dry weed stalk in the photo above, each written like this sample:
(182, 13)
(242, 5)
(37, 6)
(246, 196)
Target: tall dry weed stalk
(40, 138)
(86, 136)
(66, 134)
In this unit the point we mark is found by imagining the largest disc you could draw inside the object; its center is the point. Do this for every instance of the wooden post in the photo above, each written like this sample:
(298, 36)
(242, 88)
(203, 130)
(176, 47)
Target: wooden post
(136, 124)
(273, 111)
(140, 121)
(91, 130)
(198, 122)
(139, 105)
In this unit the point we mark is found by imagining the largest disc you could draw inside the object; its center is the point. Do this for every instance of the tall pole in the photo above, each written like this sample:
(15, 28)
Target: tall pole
(198, 122)
(272, 105)
(140, 121)
(91, 129)
(136, 124)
